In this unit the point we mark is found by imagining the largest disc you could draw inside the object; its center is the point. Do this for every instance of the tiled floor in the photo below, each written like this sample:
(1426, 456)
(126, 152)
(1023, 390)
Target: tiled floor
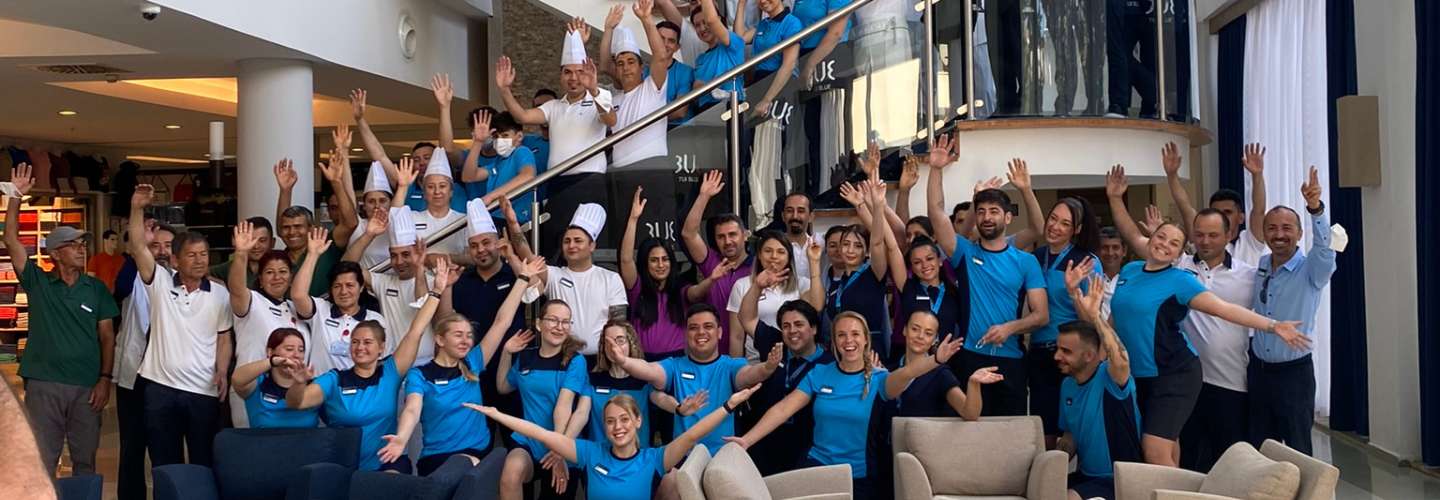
(1362, 476)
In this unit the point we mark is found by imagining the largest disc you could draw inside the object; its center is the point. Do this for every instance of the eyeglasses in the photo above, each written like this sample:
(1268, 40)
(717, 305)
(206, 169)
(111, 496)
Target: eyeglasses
(68, 244)
(620, 341)
(558, 322)
(1265, 290)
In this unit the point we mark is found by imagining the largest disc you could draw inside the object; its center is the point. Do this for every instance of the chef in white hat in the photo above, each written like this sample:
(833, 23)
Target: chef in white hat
(577, 121)
(595, 294)
(438, 183)
(378, 195)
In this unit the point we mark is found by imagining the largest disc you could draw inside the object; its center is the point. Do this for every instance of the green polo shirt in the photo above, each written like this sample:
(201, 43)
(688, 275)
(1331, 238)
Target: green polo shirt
(222, 272)
(320, 283)
(64, 341)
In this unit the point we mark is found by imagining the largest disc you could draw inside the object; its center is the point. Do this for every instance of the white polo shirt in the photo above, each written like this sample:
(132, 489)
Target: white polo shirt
(130, 344)
(379, 250)
(630, 107)
(330, 334)
(590, 293)
(769, 306)
(1109, 292)
(398, 305)
(800, 259)
(573, 128)
(426, 225)
(184, 328)
(1223, 346)
(1247, 249)
(252, 331)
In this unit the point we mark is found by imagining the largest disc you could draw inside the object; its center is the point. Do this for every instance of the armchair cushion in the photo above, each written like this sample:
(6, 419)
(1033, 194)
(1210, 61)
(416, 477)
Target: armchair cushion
(89, 487)
(1048, 475)
(1137, 481)
(259, 463)
(1186, 495)
(323, 481)
(732, 475)
(991, 450)
(911, 483)
(689, 475)
(1243, 473)
(814, 481)
(1317, 478)
(368, 485)
(482, 481)
(183, 481)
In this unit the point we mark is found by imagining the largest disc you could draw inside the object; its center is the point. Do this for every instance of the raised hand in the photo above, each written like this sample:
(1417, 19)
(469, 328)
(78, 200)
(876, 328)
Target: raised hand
(1018, 174)
(712, 185)
(378, 223)
(1087, 303)
(443, 268)
(408, 170)
(319, 240)
(1115, 182)
(777, 352)
(1075, 275)
(578, 25)
(519, 342)
(508, 210)
(739, 397)
(533, 267)
(1311, 190)
(871, 162)
(590, 76)
(725, 266)
(993, 183)
(947, 348)
(644, 9)
(910, 175)
(419, 257)
(333, 170)
(941, 154)
(394, 447)
(504, 73)
(693, 403)
(637, 206)
(850, 193)
(768, 278)
(23, 178)
(341, 135)
(1152, 221)
(1254, 159)
(285, 175)
(1289, 331)
(244, 237)
(444, 92)
(813, 250)
(143, 195)
(986, 375)
(876, 190)
(357, 104)
(1170, 158)
(617, 13)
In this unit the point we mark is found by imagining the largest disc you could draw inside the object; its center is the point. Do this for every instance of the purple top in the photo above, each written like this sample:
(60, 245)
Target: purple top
(664, 336)
(719, 296)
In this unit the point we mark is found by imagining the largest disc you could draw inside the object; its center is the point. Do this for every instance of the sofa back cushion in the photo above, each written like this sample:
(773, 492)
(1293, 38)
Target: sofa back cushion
(1245, 474)
(253, 464)
(732, 475)
(974, 458)
(688, 477)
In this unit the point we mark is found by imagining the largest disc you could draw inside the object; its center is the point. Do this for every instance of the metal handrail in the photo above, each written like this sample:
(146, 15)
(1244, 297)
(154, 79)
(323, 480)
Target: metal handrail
(657, 115)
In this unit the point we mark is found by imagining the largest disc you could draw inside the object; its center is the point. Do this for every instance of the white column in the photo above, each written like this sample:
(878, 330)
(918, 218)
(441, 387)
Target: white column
(274, 121)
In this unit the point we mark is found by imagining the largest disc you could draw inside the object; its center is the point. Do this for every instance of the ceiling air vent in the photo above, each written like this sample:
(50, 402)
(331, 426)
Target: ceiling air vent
(77, 69)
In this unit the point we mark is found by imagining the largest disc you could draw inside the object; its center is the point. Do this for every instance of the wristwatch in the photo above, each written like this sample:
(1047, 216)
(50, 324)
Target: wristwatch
(522, 277)
(728, 408)
(436, 295)
(1270, 328)
(107, 375)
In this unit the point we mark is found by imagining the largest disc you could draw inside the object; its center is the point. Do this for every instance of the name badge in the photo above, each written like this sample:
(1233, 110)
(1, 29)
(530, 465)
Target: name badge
(277, 312)
(86, 308)
(687, 376)
(923, 298)
(587, 103)
(391, 292)
(977, 261)
(502, 286)
(602, 390)
(525, 372)
(826, 389)
(340, 348)
(1262, 272)
(332, 323)
(349, 391)
(567, 282)
(1121, 282)
(1069, 401)
(442, 382)
(420, 226)
(602, 470)
(270, 399)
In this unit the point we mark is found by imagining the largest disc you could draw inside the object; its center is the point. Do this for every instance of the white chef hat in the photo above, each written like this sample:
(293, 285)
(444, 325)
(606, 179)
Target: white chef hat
(574, 52)
(589, 217)
(480, 221)
(622, 41)
(439, 165)
(377, 181)
(402, 226)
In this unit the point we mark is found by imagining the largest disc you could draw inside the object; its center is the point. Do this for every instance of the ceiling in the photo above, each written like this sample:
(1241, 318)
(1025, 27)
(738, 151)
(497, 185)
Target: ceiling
(130, 119)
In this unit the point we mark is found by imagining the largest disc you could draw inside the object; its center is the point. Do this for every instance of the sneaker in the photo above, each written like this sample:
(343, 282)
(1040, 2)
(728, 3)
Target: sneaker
(1113, 114)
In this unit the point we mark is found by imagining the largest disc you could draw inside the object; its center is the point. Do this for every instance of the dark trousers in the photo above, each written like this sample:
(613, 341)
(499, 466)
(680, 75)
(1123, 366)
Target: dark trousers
(1006, 398)
(1075, 25)
(130, 414)
(1221, 418)
(177, 421)
(1045, 379)
(1005, 32)
(1282, 402)
(1123, 33)
(567, 193)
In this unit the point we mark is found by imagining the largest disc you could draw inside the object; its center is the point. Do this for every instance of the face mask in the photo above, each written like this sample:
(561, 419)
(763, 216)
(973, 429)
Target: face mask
(504, 147)
(488, 144)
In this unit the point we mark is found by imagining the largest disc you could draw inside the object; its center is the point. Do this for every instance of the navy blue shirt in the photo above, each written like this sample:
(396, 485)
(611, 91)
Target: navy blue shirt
(1062, 309)
(450, 426)
(684, 378)
(479, 301)
(1103, 419)
(370, 403)
(539, 381)
(861, 292)
(600, 387)
(843, 406)
(266, 408)
(614, 478)
(949, 303)
(1148, 310)
(925, 396)
(999, 282)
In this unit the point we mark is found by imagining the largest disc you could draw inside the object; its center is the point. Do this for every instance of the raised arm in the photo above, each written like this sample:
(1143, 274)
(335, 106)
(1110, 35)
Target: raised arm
(690, 231)
(490, 343)
(444, 94)
(659, 63)
(139, 239)
(512, 230)
(24, 179)
(909, 177)
(1255, 164)
(243, 380)
(1288, 331)
(1115, 185)
(1087, 302)
(748, 317)
(504, 77)
(244, 240)
(556, 442)
(677, 449)
(337, 172)
(409, 346)
(815, 296)
(285, 179)
(879, 232)
(651, 373)
(376, 225)
(373, 147)
(900, 379)
(1170, 159)
(628, 273)
(1319, 262)
(606, 64)
(940, 157)
(759, 372)
(471, 171)
(718, 30)
(895, 258)
(1019, 176)
(771, 420)
(300, 285)
(516, 344)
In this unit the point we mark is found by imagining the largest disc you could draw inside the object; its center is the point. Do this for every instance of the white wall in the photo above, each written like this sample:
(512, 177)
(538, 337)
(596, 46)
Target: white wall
(360, 35)
(1385, 58)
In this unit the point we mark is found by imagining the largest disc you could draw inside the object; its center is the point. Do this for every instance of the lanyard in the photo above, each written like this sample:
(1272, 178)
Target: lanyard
(1051, 264)
(937, 299)
(853, 276)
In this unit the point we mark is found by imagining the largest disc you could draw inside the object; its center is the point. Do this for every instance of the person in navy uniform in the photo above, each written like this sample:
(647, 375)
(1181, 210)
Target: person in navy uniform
(799, 324)
(1098, 414)
(262, 384)
(937, 393)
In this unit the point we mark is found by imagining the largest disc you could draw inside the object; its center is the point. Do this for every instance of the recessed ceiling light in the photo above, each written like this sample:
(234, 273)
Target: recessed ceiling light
(404, 154)
(172, 127)
(66, 112)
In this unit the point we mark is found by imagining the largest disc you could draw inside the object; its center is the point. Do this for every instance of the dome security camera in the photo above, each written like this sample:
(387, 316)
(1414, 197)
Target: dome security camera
(150, 12)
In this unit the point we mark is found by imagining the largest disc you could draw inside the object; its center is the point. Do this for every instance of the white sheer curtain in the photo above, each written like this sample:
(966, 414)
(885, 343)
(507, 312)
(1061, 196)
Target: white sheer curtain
(1285, 110)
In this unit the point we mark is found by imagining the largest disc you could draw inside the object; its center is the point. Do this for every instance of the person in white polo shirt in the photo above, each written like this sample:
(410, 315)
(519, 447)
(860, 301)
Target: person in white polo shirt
(398, 289)
(439, 185)
(576, 123)
(642, 160)
(595, 295)
(1244, 245)
(331, 321)
(260, 307)
(129, 351)
(187, 360)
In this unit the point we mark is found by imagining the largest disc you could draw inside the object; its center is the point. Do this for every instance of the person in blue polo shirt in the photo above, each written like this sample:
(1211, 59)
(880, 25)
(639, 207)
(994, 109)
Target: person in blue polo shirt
(1071, 237)
(608, 381)
(1098, 414)
(777, 25)
(1001, 276)
(727, 50)
(364, 395)
(489, 179)
(622, 468)
(262, 384)
(1152, 298)
(435, 391)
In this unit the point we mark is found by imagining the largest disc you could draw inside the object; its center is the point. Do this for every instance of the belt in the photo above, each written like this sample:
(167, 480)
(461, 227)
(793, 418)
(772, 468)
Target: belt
(1267, 365)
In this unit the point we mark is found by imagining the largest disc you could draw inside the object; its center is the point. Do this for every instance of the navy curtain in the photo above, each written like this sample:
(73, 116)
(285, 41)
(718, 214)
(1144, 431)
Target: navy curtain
(1230, 107)
(1427, 210)
(1349, 394)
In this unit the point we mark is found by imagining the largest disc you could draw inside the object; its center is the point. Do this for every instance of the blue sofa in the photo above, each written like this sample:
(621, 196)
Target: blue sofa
(91, 487)
(265, 464)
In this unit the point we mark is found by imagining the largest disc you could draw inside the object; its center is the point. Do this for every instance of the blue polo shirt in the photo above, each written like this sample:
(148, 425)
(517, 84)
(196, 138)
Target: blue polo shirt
(540, 147)
(811, 11)
(539, 381)
(614, 478)
(415, 196)
(684, 378)
(716, 61)
(679, 79)
(450, 426)
(369, 403)
(1292, 292)
(479, 301)
(1062, 309)
(602, 386)
(1148, 309)
(769, 32)
(503, 170)
(266, 408)
(998, 284)
(843, 406)
(1103, 419)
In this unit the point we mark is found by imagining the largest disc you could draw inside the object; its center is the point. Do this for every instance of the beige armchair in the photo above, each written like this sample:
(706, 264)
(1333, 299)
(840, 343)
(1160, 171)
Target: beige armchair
(1274, 472)
(996, 458)
(730, 474)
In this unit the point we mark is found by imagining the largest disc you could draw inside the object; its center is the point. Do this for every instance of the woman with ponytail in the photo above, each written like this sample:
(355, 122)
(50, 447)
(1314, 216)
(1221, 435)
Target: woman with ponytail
(549, 378)
(261, 385)
(845, 395)
(436, 391)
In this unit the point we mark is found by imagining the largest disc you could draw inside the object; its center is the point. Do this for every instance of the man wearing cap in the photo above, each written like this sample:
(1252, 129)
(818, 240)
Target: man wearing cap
(482, 289)
(439, 186)
(642, 160)
(576, 122)
(72, 340)
(595, 294)
(295, 222)
(397, 289)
